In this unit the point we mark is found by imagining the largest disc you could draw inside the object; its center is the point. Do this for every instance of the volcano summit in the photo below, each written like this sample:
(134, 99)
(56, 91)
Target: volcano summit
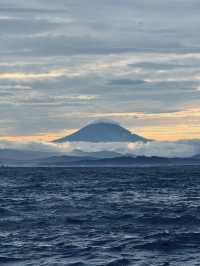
(102, 132)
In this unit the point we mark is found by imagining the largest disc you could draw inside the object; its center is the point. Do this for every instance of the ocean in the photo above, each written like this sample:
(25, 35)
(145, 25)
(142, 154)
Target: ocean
(100, 216)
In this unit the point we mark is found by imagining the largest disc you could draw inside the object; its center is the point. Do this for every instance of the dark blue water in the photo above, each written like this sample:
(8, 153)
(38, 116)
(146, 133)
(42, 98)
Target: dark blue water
(88, 216)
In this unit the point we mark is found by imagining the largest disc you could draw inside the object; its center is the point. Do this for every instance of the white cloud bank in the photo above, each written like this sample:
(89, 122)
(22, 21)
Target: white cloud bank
(165, 149)
(154, 148)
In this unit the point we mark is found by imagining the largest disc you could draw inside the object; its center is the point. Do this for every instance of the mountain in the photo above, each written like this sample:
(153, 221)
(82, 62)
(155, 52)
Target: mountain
(96, 154)
(37, 159)
(123, 161)
(16, 157)
(64, 160)
(102, 132)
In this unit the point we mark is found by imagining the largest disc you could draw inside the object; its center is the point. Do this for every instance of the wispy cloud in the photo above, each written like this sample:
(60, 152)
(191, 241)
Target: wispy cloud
(36, 76)
(117, 67)
(192, 112)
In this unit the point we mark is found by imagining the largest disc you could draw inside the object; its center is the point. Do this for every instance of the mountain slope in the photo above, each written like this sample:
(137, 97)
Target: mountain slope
(98, 154)
(15, 157)
(102, 132)
(124, 161)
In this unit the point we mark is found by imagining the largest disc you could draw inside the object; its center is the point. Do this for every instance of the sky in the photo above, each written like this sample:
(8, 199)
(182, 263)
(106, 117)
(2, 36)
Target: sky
(65, 63)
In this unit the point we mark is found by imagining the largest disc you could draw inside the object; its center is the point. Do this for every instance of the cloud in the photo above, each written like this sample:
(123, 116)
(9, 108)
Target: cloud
(27, 96)
(155, 148)
(127, 82)
(116, 70)
(36, 76)
(87, 66)
(143, 62)
(164, 149)
(192, 112)
(30, 10)
(35, 146)
(14, 87)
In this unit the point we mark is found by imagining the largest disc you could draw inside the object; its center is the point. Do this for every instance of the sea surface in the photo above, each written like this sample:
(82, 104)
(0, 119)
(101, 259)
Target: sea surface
(100, 216)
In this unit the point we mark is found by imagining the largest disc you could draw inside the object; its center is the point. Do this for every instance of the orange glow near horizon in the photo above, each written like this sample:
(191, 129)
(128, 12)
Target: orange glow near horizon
(39, 137)
(169, 132)
(160, 133)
